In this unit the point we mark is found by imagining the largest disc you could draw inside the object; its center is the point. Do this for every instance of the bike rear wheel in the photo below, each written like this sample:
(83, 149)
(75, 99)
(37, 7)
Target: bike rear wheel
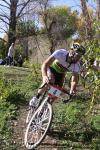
(38, 126)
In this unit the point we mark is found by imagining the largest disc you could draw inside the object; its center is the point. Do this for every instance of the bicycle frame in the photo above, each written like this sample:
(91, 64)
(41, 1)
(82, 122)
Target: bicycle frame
(55, 91)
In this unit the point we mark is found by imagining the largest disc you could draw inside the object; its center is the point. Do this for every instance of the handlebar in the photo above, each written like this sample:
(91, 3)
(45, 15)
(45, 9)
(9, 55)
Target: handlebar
(62, 89)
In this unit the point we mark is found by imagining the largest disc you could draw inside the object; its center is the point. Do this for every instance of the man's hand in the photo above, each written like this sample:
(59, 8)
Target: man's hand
(45, 79)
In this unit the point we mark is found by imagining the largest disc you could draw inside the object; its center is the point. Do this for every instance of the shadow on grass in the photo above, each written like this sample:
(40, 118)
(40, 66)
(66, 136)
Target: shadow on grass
(84, 137)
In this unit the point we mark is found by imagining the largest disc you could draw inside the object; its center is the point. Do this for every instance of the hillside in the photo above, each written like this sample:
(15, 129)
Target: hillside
(71, 128)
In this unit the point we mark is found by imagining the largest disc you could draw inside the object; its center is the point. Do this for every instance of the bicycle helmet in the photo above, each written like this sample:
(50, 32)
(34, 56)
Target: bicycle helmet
(78, 48)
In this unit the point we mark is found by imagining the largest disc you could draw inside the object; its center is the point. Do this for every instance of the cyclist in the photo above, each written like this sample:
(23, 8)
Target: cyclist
(55, 67)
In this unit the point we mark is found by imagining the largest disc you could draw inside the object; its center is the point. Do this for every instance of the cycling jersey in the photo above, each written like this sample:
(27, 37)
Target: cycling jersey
(61, 65)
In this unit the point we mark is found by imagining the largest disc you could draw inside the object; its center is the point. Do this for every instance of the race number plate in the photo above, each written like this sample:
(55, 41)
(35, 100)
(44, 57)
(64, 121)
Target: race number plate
(54, 92)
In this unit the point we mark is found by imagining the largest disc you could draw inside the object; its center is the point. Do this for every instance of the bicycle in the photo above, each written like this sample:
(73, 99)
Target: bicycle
(41, 118)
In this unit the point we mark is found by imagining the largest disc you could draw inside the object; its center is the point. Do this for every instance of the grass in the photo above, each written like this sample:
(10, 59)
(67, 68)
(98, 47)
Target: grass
(16, 88)
(71, 127)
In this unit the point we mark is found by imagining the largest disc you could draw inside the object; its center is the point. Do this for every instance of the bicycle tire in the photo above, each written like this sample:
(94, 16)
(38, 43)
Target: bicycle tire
(29, 114)
(38, 125)
(33, 109)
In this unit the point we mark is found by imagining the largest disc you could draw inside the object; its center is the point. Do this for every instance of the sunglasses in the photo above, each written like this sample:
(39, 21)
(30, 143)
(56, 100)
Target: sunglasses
(75, 53)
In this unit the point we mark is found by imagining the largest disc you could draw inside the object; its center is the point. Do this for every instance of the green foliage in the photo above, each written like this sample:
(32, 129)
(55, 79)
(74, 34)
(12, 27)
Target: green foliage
(19, 50)
(79, 120)
(96, 29)
(96, 123)
(7, 112)
(64, 22)
(13, 94)
(36, 73)
(3, 48)
(74, 128)
(26, 28)
(93, 50)
(92, 79)
(69, 116)
(71, 124)
(27, 64)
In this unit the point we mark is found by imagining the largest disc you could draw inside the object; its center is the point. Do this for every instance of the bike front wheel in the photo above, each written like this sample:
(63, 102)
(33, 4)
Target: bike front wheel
(29, 114)
(38, 126)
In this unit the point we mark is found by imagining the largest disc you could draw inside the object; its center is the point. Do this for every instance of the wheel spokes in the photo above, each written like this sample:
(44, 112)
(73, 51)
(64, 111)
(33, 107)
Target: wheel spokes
(38, 126)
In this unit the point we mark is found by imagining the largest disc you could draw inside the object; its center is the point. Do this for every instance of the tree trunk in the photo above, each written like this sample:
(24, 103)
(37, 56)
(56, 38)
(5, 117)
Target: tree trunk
(98, 9)
(87, 19)
(12, 23)
(98, 19)
(49, 34)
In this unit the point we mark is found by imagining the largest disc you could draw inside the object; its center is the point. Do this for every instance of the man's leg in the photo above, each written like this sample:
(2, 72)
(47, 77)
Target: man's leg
(43, 87)
(74, 82)
(7, 60)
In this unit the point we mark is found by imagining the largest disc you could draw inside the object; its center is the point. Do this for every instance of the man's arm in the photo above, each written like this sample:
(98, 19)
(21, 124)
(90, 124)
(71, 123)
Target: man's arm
(44, 68)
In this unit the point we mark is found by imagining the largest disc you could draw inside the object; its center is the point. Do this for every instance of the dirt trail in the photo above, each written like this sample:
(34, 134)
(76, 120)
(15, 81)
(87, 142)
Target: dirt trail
(19, 129)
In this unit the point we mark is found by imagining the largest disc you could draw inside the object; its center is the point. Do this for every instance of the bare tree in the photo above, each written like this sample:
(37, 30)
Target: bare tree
(98, 9)
(44, 6)
(87, 19)
(59, 23)
(98, 19)
(10, 12)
